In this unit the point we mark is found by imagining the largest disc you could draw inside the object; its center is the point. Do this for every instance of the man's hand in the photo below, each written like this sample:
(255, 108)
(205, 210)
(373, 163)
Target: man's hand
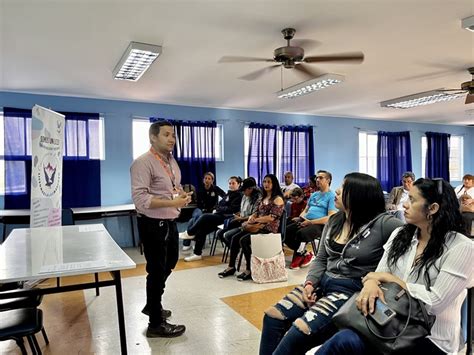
(182, 200)
(305, 223)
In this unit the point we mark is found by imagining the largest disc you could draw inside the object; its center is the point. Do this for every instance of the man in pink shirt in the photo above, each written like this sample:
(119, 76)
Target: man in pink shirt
(158, 198)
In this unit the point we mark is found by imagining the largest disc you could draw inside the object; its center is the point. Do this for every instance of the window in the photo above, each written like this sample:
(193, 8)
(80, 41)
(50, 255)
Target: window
(77, 144)
(141, 143)
(368, 153)
(456, 157)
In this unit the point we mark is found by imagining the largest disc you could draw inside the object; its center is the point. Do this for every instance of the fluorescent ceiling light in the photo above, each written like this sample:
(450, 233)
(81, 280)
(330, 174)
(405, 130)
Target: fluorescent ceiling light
(423, 98)
(306, 87)
(468, 23)
(135, 61)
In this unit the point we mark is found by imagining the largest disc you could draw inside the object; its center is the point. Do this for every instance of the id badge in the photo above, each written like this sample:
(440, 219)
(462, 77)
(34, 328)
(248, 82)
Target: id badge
(175, 196)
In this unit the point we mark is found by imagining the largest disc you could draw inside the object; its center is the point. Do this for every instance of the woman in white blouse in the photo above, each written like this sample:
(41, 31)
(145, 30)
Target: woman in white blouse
(428, 257)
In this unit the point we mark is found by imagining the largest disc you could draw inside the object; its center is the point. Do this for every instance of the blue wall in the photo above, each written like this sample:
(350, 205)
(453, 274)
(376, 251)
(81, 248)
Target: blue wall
(336, 139)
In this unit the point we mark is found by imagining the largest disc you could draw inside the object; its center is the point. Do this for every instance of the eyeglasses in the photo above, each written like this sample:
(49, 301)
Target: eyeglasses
(439, 185)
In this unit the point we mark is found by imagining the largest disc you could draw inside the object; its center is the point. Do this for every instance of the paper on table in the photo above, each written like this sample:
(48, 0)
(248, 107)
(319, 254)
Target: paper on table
(91, 228)
(82, 265)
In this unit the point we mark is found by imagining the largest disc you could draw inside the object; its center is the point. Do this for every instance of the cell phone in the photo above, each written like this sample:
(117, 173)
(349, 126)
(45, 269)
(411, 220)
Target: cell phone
(382, 313)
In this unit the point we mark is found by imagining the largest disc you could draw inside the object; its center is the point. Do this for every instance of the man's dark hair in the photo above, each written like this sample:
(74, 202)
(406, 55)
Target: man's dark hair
(327, 173)
(155, 127)
(297, 192)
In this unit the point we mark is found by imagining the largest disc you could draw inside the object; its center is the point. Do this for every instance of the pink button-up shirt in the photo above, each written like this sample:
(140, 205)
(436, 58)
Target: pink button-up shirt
(149, 179)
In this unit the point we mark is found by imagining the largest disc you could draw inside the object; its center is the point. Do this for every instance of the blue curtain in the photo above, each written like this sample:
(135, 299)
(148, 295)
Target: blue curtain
(393, 157)
(262, 150)
(297, 153)
(437, 155)
(195, 149)
(81, 175)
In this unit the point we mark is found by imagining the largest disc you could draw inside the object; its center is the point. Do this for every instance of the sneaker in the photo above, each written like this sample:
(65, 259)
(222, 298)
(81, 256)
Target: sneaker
(244, 277)
(165, 313)
(193, 257)
(296, 262)
(307, 259)
(187, 247)
(165, 330)
(185, 235)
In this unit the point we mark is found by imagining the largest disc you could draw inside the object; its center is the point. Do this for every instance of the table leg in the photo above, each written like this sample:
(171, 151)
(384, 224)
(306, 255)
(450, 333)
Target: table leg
(121, 317)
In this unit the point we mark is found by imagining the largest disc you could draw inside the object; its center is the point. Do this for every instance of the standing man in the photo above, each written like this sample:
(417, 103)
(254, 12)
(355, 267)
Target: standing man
(158, 197)
(399, 195)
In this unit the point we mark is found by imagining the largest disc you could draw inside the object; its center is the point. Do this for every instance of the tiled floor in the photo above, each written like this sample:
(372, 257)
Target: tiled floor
(222, 316)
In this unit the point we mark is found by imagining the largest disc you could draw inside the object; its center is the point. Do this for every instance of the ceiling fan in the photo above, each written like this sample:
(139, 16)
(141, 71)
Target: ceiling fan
(292, 57)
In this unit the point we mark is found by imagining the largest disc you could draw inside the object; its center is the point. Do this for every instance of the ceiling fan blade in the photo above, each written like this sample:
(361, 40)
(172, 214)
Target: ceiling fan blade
(341, 57)
(469, 99)
(307, 72)
(239, 59)
(258, 73)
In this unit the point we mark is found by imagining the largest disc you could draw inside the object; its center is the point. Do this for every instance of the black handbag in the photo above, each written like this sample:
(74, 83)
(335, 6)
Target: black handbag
(410, 324)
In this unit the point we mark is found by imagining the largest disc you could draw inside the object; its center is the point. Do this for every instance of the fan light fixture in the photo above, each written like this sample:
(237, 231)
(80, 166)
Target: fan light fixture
(423, 98)
(468, 23)
(135, 61)
(308, 86)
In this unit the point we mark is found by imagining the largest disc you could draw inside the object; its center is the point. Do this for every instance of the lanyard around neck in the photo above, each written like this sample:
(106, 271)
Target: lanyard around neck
(166, 166)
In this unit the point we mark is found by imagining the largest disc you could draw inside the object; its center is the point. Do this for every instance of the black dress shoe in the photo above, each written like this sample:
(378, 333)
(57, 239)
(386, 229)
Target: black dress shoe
(226, 273)
(244, 277)
(165, 330)
(165, 313)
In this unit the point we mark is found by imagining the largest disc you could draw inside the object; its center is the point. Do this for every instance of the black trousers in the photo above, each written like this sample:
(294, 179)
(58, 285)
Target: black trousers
(161, 248)
(296, 235)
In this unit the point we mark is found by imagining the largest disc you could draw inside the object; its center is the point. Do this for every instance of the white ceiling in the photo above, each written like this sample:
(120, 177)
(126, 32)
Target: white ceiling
(70, 47)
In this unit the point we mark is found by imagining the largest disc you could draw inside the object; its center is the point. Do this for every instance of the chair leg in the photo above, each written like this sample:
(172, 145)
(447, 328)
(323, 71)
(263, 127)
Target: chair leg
(21, 345)
(213, 244)
(240, 260)
(32, 345)
(38, 349)
(96, 277)
(45, 337)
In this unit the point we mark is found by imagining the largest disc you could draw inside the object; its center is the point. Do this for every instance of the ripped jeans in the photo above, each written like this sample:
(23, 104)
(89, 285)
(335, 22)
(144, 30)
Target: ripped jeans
(305, 327)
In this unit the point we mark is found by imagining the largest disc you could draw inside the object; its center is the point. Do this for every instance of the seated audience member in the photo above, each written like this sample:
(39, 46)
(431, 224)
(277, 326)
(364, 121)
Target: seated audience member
(311, 187)
(250, 200)
(207, 197)
(351, 246)
(319, 208)
(298, 203)
(208, 222)
(399, 195)
(465, 195)
(431, 260)
(288, 186)
(265, 220)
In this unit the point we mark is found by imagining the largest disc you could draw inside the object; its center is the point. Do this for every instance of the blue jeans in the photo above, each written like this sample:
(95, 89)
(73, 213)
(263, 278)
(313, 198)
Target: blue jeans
(348, 341)
(194, 217)
(308, 327)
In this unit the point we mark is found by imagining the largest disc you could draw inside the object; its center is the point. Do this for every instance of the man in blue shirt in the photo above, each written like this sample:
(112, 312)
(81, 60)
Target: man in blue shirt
(310, 224)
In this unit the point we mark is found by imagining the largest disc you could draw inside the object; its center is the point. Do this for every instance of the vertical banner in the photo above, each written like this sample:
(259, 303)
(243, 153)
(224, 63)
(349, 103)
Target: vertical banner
(47, 136)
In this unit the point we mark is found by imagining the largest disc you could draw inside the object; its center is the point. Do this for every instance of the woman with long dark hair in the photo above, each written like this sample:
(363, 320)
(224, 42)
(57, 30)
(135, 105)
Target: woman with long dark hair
(431, 260)
(265, 220)
(351, 246)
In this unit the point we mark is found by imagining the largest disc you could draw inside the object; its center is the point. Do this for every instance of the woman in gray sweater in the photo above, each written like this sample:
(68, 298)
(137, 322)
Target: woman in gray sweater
(351, 246)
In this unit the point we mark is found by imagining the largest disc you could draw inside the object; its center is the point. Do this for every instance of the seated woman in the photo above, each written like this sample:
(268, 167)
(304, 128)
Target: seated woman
(265, 220)
(207, 197)
(250, 200)
(431, 260)
(208, 222)
(312, 220)
(351, 246)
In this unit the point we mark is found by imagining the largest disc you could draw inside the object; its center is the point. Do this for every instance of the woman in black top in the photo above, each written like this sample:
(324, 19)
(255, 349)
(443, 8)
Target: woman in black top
(207, 197)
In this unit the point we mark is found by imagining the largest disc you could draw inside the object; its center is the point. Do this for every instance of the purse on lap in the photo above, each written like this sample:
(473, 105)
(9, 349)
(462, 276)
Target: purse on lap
(410, 324)
(268, 260)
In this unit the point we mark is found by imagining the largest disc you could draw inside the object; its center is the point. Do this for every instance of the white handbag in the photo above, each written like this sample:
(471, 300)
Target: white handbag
(268, 259)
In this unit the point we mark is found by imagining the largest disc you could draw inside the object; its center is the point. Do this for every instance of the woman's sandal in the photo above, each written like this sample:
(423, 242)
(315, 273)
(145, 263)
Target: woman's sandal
(227, 272)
